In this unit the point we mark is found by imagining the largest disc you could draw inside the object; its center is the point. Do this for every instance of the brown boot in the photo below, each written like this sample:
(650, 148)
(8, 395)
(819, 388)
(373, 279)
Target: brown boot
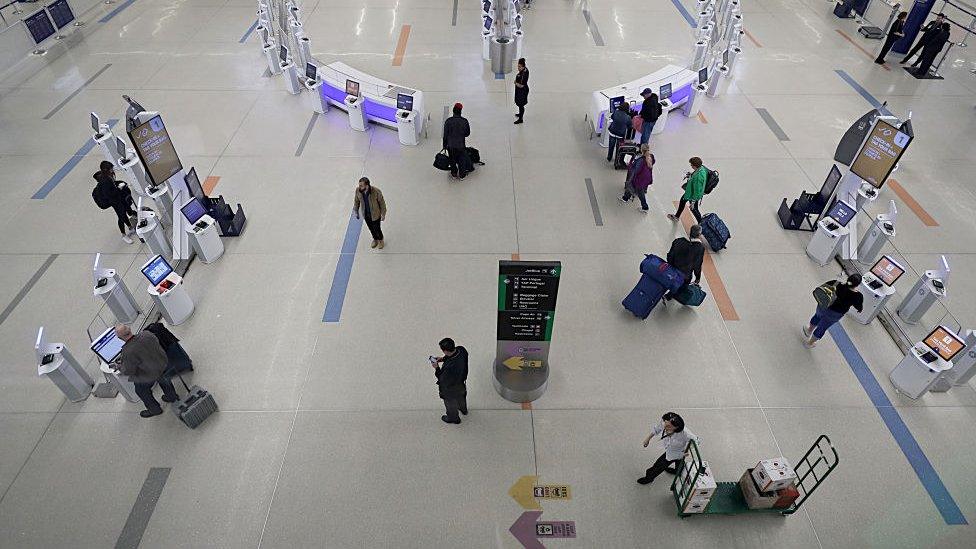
(381, 244)
(373, 245)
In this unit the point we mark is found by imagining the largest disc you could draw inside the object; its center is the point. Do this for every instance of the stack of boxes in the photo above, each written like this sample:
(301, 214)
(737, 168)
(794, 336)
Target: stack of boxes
(769, 485)
(702, 492)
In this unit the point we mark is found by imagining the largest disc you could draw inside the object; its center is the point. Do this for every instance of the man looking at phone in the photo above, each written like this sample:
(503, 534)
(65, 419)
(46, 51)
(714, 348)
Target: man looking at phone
(451, 371)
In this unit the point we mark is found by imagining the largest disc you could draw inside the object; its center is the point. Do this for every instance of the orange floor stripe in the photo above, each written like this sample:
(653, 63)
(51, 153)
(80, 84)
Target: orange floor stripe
(752, 38)
(702, 118)
(526, 405)
(715, 284)
(515, 257)
(912, 204)
(209, 183)
(858, 46)
(401, 45)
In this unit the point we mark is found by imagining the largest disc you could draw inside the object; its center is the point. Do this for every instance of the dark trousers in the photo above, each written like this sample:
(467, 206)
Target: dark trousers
(145, 393)
(662, 464)
(694, 209)
(642, 196)
(918, 45)
(926, 60)
(886, 48)
(374, 228)
(123, 212)
(612, 147)
(521, 112)
(456, 404)
(457, 161)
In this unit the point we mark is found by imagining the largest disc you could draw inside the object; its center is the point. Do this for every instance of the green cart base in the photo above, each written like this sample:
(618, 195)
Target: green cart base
(728, 500)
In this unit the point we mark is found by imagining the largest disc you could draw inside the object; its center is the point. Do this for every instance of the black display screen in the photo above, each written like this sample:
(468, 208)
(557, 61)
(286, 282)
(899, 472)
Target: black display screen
(61, 13)
(40, 26)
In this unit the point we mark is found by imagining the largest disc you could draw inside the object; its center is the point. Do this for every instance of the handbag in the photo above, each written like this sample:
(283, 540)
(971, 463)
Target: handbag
(442, 161)
(826, 293)
(637, 123)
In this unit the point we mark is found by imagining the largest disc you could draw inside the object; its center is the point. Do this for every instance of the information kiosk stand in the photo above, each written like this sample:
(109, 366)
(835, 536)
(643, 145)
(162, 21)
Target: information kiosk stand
(830, 234)
(877, 287)
(963, 366)
(107, 346)
(408, 126)
(150, 231)
(271, 53)
(697, 97)
(167, 291)
(105, 139)
(926, 362)
(354, 106)
(55, 362)
(877, 235)
(290, 71)
(202, 231)
(930, 288)
(131, 167)
(313, 83)
(163, 198)
(718, 83)
(110, 287)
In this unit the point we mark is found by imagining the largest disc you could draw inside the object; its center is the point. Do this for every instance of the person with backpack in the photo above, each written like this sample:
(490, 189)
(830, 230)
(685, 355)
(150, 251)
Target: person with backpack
(456, 129)
(694, 189)
(640, 176)
(109, 193)
(834, 299)
(620, 121)
(649, 113)
(674, 437)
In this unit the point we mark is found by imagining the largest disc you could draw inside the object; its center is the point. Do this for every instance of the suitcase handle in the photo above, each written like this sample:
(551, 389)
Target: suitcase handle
(185, 386)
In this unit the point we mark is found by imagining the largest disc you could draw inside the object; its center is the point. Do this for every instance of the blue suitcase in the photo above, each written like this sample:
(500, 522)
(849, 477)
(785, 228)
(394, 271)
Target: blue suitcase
(644, 297)
(662, 272)
(715, 232)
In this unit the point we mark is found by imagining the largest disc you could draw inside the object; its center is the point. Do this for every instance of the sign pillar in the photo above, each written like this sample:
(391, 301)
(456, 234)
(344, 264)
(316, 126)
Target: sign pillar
(526, 312)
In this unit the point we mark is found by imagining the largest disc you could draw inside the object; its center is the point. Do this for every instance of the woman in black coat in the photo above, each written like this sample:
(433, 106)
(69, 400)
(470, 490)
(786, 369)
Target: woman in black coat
(521, 89)
(895, 33)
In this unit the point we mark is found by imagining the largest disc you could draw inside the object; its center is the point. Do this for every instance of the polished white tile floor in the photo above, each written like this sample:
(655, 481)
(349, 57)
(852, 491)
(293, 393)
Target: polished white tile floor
(329, 433)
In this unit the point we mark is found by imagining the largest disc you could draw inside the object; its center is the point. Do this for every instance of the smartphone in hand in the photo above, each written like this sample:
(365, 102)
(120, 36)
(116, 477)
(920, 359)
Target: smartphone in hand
(433, 360)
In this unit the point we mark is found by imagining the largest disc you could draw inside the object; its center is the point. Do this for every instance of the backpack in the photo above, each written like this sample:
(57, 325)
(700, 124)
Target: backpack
(100, 200)
(711, 181)
(826, 293)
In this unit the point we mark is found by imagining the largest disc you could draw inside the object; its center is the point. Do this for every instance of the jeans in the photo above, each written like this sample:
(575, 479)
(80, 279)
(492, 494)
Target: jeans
(642, 196)
(453, 405)
(694, 209)
(612, 148)
(646, 131)
(662, 464)
(145, 392)
(823, 319)
(374, 228)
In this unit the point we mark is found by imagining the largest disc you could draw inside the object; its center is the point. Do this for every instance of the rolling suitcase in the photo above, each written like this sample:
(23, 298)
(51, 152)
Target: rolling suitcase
(692, 295)
(662, 272)
(644, 297)
(715, 232)
(196, 407)
(625, 152)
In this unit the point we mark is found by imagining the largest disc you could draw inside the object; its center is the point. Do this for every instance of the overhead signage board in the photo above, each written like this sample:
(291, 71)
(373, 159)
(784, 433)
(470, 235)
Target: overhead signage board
(156, 151)
(880, 152)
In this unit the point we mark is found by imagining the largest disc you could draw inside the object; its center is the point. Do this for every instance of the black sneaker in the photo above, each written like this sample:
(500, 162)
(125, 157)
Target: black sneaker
(446, 420)
(149, 413)
(644, 480)
(464, 412)
(168, 399)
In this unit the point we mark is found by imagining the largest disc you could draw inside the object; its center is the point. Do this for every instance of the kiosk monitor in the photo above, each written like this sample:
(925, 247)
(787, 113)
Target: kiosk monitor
(488, 22)
(486, 6)
(194, 210)
(887, 270)
(841, 213)
(39, 25)
(107, 346)
(120, 148)
(880, 152)
(616, 102)
(725, 58)
(518, 22)
(283, 53)
(311, 71)
(404, 102)
(944, 342)
(827, 190)
(95, 122)
(61, 13)
(193, 183)
(665, 92)
(703, 75)
(156, 270)
(155, 149)
(352, 88)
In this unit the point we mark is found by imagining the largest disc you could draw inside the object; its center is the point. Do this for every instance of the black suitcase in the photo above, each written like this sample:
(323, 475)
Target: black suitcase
(474, 155)
(625, 152)
(196, 407)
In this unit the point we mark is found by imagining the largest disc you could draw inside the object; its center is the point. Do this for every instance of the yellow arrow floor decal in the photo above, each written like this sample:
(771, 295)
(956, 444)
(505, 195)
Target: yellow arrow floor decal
(518, 362)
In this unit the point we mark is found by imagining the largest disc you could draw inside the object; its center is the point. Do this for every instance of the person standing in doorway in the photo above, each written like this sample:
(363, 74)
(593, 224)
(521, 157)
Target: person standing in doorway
(929, 31)
(620, 123)
(675, 438)
(895, 33)
(109, 193)
(649, 113)
(846, 295)
(694, 189)
(144, 361)
(456, 129)
(370, 206)
(640, 176)
(521, 89)
(451, 371)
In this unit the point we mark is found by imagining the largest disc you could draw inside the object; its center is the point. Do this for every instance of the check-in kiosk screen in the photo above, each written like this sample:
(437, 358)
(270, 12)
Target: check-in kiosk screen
(944, 342)
(40, 26)
(193, 183)
(841, 213)
(488, 22)
(156, 269)
(725, 57)
(518, 22)
(879, 154)
(311, 71)
(404, 102)
(703, 75)
(887, 270)
(283, 53)
(194, 210)
(156, 150)
(665, 92)
(120, 148)
(61, 13)
(486, 6)
(108, 346)
(616, 102)
(352, 88)
(833, 178)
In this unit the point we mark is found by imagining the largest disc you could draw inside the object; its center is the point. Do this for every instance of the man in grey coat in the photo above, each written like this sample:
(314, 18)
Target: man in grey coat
(144, 361)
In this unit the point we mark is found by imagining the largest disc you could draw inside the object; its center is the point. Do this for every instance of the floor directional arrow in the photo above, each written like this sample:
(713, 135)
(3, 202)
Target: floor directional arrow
(522, 492)
(527, 529)
(517, 363)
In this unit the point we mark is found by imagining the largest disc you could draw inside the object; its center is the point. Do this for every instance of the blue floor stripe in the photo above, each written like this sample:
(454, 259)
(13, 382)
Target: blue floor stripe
(499, 76)
(864, 93)
(340, 281)
(116, 11)
(906, 441)
(684, 13)
(247, 34)
(67, 167)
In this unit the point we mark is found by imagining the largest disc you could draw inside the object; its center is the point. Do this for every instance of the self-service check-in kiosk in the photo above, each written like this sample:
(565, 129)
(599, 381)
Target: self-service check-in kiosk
(664, 96)
(930, 288)
(830, 234)
(719, 79)
(163, 198)
(271, 53)
(202, 231)
(110, 287)
(926, 362)
(131, 168)
(486, 36)
(866, 194)
(877, 235)
(963, 366)
(313, 83)
(697, 97)
(150, 230)
(877, 287)
(167, 291)
(290, 71)
(108, 346)
(733, 56)
(55, 362)
(408, 125)
(354, 106)
(105, 139)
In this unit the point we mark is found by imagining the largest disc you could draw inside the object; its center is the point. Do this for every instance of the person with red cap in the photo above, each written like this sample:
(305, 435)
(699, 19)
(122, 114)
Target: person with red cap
(456, 128)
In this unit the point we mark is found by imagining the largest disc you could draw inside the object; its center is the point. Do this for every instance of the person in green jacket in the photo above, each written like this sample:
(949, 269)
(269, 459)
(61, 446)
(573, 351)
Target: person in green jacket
(694, 189)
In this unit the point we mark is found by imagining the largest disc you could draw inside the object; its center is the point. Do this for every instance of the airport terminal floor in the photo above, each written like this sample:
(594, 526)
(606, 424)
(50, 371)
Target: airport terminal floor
(329, 432)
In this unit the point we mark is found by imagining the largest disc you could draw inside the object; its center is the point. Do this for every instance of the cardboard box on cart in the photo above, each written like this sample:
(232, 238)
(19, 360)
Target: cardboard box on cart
(755, 499)
(702, 492)
(773, 474)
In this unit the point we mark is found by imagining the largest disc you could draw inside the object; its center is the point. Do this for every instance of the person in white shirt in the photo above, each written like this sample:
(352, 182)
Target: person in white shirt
(674, 438)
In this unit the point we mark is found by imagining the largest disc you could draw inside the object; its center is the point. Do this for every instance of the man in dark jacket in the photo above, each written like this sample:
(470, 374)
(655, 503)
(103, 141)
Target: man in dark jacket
(117, 195)
(649, 113)
(144, 362)
(929, 31)
(687, 255)
(932, 49)
(456, 128)
(451, 371)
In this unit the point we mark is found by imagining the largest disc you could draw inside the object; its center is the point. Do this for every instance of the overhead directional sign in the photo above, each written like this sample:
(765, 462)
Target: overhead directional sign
(526, 492)
(528, 529)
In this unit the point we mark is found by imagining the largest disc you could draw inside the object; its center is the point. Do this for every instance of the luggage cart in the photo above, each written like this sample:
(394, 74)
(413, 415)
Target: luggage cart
(817, 463)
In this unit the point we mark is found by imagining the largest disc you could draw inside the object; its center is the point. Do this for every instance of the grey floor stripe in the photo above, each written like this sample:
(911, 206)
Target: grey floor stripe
(308, 132)
(76, 92)
(771, 122)
(594, 31)
(594, 205)
(142, 509)
(454, 17)
(27, 287)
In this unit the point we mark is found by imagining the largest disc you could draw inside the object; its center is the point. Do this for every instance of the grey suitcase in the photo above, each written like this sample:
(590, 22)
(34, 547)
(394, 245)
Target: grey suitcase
(196, 407)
